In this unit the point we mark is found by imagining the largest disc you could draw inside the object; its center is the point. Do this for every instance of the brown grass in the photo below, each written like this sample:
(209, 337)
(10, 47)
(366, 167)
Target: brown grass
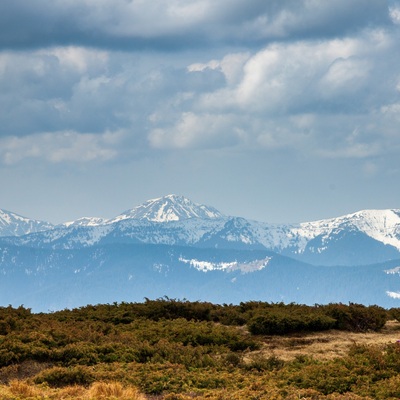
(22, 389)
(69, 392)
(18, 390)
(327, 345)
(113, 390)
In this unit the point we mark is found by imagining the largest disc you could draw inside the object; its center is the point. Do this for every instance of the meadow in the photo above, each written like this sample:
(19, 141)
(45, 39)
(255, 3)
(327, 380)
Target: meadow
(172, 349)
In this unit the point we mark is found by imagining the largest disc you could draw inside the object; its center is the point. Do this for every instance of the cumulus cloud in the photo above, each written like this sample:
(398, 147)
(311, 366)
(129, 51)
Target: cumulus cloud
(316, 72)
(37, 88)
(297, 75)
(326, 98)
(198, 131)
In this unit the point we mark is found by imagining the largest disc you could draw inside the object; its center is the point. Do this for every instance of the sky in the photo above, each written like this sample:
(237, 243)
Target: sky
(278, 111)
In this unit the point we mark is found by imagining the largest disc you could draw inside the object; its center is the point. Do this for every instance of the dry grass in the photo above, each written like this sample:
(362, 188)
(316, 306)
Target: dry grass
(18, 390)
(327, 345)
(113, 390)
(23, 390)
(69, 392)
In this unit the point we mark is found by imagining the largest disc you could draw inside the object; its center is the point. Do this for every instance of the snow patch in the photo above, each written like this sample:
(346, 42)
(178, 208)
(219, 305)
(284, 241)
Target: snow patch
(393, 271)
(393, 295)
(246, 267)
(86, 221)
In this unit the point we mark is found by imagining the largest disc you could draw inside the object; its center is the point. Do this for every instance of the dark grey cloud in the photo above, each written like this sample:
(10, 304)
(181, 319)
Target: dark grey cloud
(170, 25)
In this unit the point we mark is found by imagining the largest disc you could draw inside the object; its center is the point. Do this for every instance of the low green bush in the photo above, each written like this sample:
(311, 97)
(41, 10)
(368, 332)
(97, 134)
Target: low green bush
(279, 322)
(61, 376)
(357, 317)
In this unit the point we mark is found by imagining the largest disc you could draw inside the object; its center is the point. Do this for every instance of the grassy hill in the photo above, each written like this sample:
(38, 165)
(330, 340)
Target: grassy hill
(169, 349)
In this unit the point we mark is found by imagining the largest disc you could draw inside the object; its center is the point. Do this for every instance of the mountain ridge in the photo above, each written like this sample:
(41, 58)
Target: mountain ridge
(172, 246)
(176, 220)
(12, 224)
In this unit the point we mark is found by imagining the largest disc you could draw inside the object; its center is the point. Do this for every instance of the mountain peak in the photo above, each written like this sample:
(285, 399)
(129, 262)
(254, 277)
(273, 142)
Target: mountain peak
(170, 208)
(12, 224)
(86, 221)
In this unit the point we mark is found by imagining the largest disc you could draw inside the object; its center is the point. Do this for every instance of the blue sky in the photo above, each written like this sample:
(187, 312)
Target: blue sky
(281, 111)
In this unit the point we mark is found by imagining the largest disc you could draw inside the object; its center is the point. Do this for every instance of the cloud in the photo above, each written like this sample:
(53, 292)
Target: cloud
(198, 131)
(324, 98)
(298, 75)
(394, 13)
(37, 88)
(174, 24)
(60, 147)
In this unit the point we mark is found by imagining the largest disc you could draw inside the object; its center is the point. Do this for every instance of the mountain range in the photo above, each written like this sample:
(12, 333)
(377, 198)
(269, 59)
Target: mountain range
(175, 247)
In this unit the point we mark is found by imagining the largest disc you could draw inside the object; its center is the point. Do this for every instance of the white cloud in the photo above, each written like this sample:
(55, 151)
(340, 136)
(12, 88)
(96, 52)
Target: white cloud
(59, 147)
(203, 131)
(198, 67)
(345, 75)
(391, 111)
(394, 12)
(285, 76)
(310, 95)
(231, 66)
(393, 295)
(44, 61)
(79, 58)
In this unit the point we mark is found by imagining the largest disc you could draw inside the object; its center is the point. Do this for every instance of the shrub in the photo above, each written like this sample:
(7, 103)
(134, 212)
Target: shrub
(388, 389)
(357, 317)
(228, 315)
(327, 378)
(262, 363)
(60, 376)
(282, 321)
(5, 327)
(77, 353)
(394, 313)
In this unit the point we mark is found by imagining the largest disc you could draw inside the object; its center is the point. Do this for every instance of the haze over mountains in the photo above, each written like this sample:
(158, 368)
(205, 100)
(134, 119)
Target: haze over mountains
(172, 246)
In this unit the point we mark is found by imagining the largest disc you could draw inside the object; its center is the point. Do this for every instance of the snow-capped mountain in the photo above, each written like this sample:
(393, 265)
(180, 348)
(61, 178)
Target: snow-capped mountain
(363, 237)
(381, 225)
(360, 238)
(12, 224)
(86, 221)
(169, 208)
(172, 246)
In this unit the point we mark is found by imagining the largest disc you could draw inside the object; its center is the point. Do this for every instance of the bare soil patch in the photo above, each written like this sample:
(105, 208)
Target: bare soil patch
(327, 345)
